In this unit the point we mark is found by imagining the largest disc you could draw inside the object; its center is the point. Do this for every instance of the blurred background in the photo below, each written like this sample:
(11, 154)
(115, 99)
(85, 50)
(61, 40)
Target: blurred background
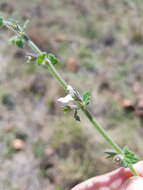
(100, 47)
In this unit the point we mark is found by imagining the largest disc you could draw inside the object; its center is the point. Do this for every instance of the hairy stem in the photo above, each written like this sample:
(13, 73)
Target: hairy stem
(102, 131)
(55, 74)
(64, 85)
(92, 120)
(34, 47)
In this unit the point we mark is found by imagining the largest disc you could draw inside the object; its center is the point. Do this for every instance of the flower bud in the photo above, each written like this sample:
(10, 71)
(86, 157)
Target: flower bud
(118, 159)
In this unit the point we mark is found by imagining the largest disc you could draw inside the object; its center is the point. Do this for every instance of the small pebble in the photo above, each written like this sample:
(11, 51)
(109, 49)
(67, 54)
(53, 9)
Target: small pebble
(18, 144)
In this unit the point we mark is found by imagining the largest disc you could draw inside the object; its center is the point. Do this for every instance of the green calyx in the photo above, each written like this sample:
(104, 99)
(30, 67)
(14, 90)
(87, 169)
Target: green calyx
(126, 159)
(86, 98)
(41, 58)
(52, 58)
(130, 158)
(18, 41)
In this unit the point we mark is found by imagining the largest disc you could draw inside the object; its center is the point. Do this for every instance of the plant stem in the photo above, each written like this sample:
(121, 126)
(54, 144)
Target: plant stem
(34, 47)
(94, 122)
(101, 131)
(134, 172)
(106, 136)
(50, 66)
(64, 85)
(55, 74)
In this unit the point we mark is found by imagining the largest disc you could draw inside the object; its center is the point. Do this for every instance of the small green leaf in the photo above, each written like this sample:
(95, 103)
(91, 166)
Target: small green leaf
(41, 57)
(18, 41)
(66, 108)
(1, 21)
(52, 58)
(76, 116)
(129, 158)
(86, 98)
(111, 153)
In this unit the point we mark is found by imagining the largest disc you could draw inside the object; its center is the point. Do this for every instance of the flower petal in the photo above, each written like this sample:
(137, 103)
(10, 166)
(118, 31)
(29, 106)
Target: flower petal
(71, 90)
(66, 99)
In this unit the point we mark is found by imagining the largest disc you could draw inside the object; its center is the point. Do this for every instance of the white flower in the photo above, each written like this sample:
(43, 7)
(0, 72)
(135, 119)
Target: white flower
(67, 99)
(70, 90)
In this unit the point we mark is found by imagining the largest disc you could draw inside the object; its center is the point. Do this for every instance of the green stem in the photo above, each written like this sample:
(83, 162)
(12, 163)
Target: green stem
(85, 111)
(64, 85)
(34, 47)
(50, 66)
(134, 172)
(56, 75)
(105, 136)
(98, 127)
(101, 130)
